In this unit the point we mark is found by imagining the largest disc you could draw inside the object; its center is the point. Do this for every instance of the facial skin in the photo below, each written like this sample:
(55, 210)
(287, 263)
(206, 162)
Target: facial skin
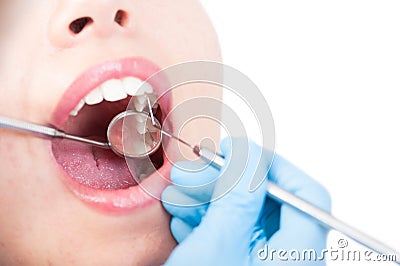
(41, 221)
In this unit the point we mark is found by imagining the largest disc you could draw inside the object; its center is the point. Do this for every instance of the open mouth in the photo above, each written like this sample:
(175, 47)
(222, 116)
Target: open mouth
(95, 174)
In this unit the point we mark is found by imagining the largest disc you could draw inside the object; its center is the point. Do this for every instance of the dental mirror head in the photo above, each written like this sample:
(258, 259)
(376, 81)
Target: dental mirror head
(132, 134)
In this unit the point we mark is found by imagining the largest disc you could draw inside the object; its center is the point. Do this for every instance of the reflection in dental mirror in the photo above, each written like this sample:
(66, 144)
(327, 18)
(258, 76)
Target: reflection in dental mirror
(132, 134)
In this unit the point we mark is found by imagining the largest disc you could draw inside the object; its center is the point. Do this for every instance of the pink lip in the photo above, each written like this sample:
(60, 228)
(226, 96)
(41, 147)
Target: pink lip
(123, 200)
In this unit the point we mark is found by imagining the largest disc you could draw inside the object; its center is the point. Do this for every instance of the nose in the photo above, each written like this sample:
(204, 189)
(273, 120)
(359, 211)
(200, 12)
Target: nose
(74, 21)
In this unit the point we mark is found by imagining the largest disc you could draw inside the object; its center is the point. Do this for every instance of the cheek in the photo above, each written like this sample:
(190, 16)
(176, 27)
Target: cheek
(9, 155)
(22, 45)
(181, 27)
(15, 165)
(24, 179)
(20, 203)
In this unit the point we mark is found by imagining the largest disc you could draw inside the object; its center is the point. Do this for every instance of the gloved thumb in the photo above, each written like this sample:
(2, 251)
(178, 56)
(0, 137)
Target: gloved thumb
(243, 161)
(233, 212)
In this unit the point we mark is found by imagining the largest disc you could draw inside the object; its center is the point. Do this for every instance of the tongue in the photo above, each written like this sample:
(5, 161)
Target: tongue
(94, 167)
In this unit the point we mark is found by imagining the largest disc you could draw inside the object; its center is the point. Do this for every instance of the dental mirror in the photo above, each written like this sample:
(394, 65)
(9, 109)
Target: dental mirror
(132, 134)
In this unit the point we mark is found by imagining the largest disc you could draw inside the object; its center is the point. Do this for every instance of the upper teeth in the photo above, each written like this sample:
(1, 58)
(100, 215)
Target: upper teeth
(117, 89)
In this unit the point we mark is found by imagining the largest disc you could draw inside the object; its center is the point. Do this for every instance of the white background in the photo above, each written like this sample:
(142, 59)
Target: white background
(330, 71)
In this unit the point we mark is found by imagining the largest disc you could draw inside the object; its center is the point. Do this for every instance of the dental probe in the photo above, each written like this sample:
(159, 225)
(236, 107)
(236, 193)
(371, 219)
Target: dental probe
(324, 218)
(27, 127)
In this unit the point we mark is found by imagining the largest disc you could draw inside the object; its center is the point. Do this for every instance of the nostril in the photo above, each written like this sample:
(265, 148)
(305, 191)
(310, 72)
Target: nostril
(79, 24)
(121, 17)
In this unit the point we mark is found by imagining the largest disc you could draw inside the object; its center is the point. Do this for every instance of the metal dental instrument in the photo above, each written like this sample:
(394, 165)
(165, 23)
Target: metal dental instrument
(144, 136)
(283, 196)
(137, 143)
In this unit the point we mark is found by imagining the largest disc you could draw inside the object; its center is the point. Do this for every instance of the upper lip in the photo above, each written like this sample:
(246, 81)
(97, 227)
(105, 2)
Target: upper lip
(134, 66)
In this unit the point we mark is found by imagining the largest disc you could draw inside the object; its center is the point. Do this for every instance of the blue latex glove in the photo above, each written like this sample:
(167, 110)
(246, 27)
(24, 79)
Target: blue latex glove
(233, 229)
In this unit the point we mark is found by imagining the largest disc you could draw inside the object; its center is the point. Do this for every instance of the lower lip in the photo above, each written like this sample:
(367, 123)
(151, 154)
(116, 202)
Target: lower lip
(148, 192)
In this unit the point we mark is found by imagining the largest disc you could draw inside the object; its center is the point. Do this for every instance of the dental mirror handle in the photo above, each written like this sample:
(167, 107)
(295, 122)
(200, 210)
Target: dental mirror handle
(323, 217)
(32, 128)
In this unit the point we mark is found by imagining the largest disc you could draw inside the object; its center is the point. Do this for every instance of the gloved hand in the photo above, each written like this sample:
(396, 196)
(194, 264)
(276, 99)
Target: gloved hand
(242, 227)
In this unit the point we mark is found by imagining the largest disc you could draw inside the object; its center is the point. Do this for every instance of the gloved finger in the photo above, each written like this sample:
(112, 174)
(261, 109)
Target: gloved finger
(195, 179)
(243, 152)
(179, 229)
(230, 220)
(294, 180)
(190, 215)
(238, 172)
(199, 173)
(297, 230)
